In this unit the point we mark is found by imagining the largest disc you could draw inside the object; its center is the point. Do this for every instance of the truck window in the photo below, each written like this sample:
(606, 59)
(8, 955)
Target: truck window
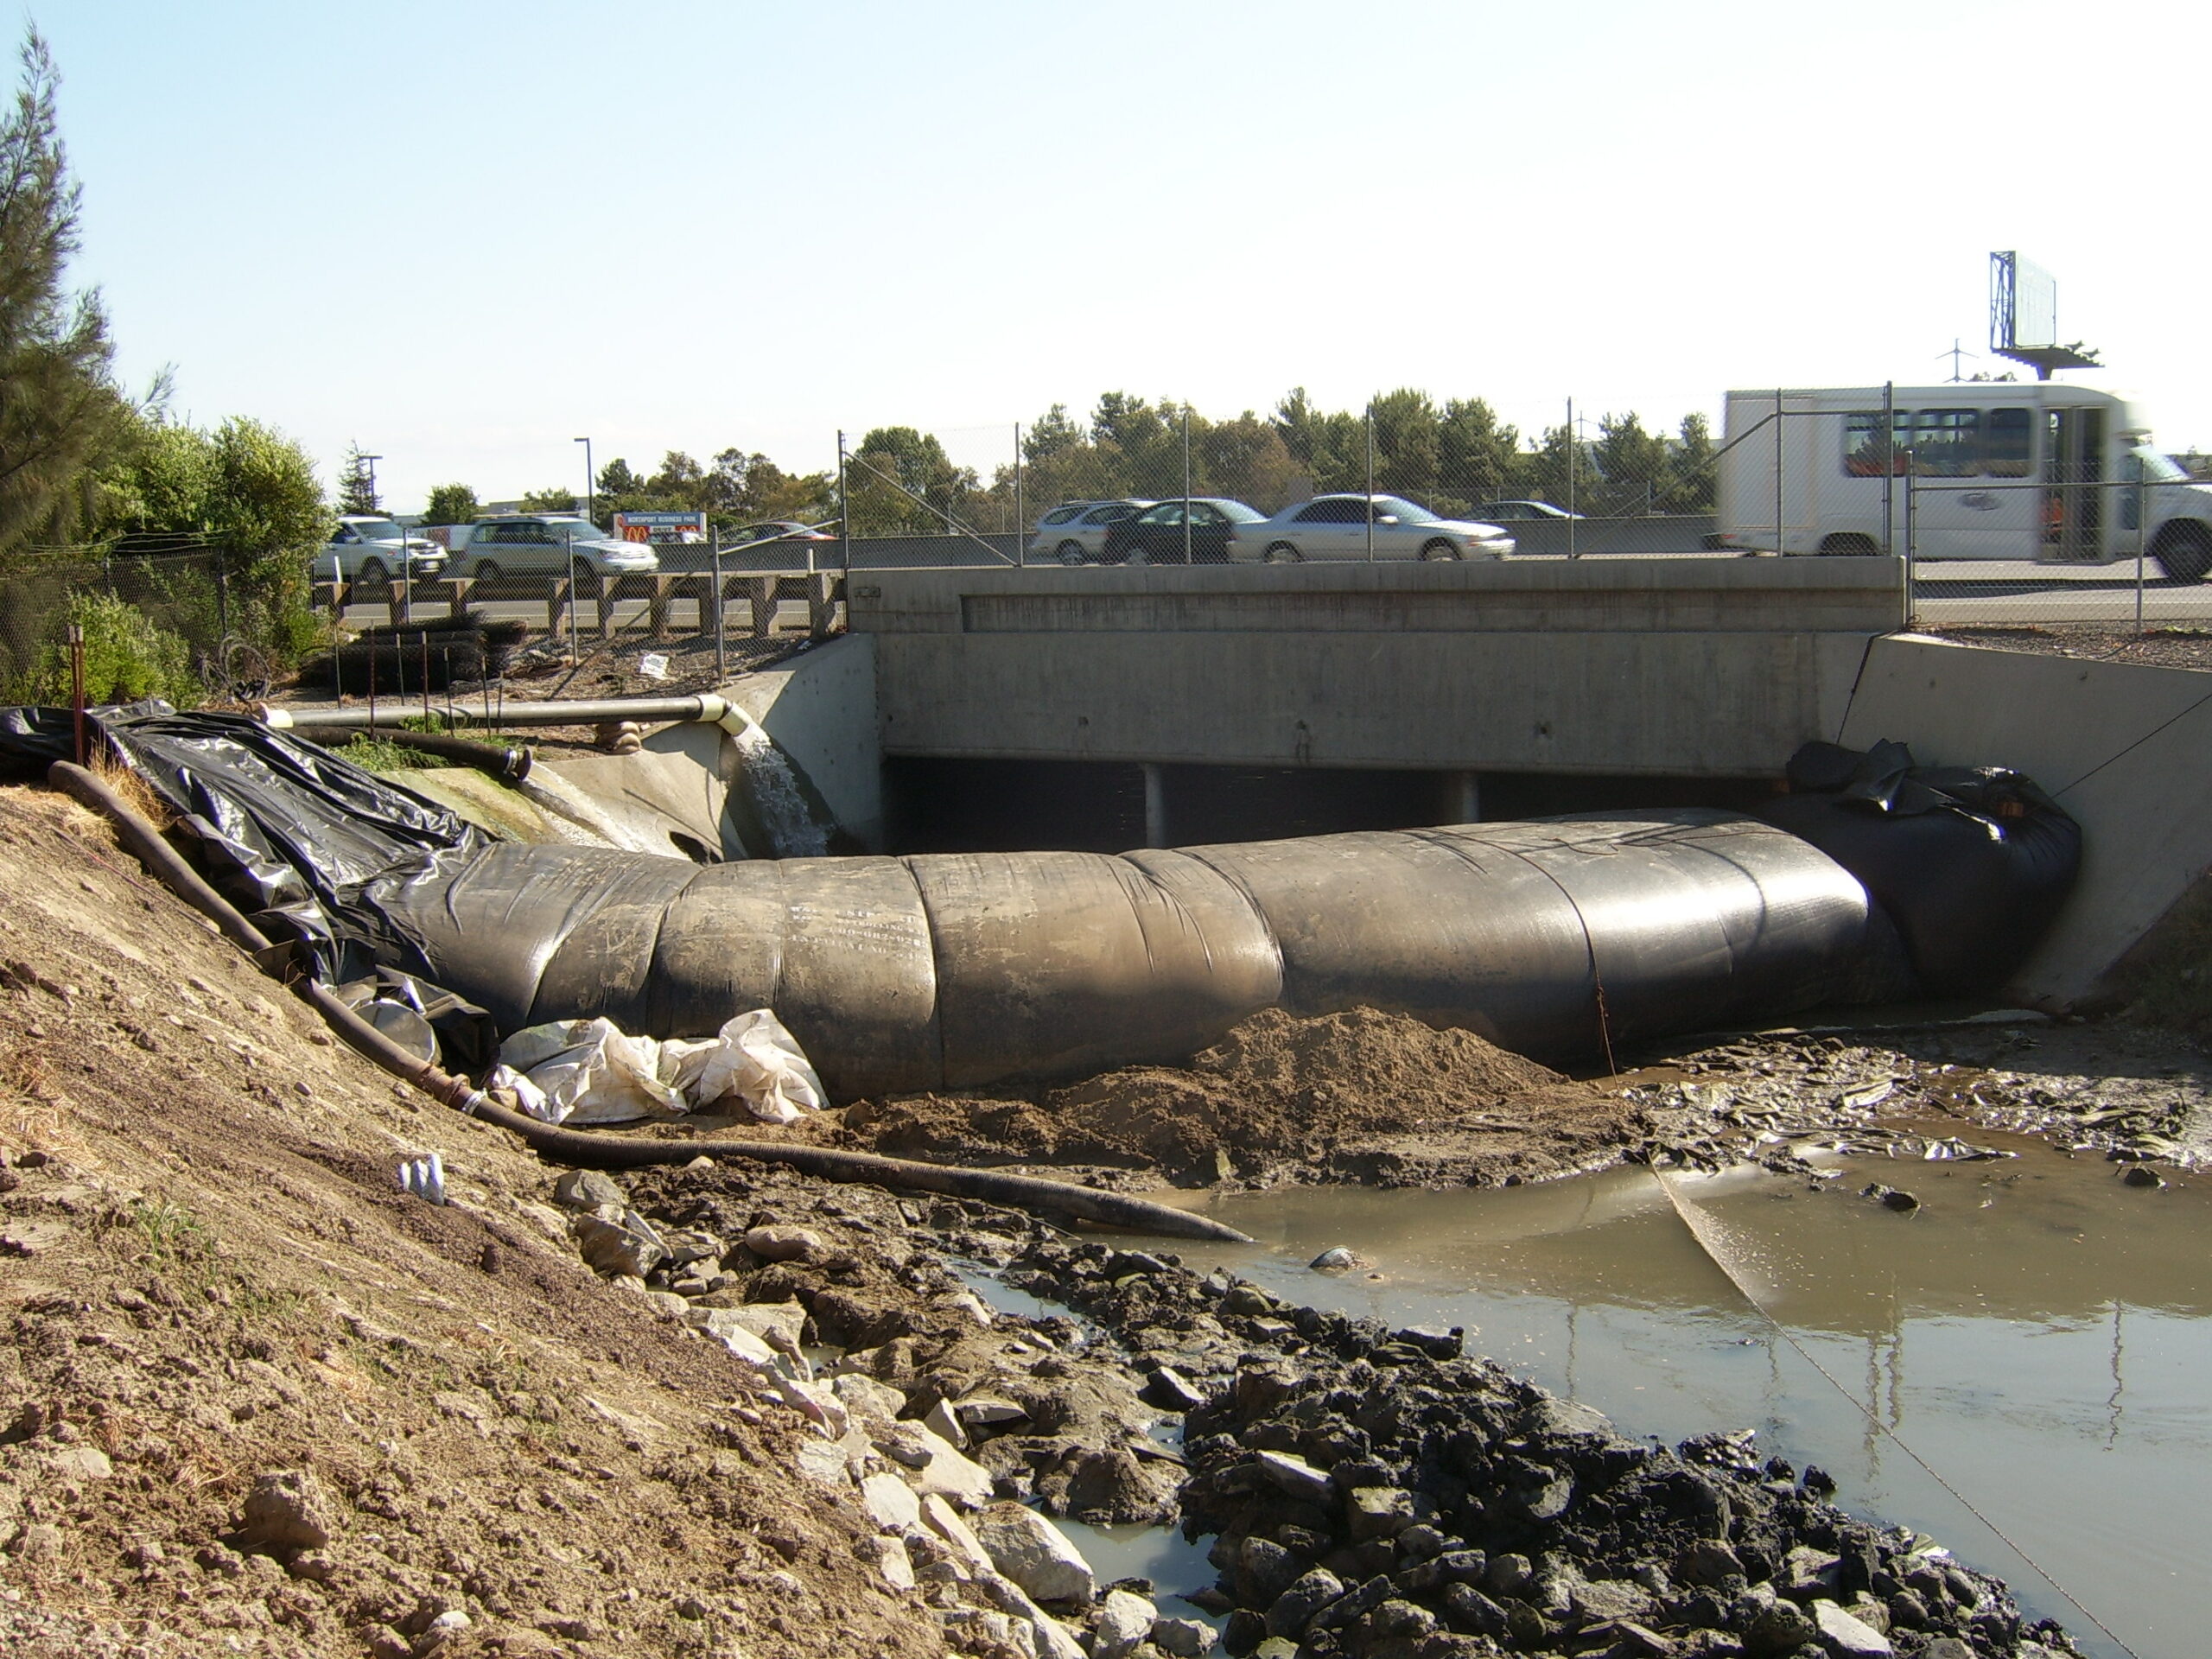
(2006, 443)
(1864, 454)
(1947, 443)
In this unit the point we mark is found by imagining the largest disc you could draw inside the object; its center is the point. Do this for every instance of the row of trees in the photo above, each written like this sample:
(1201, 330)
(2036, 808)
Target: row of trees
(85, 466)
(900, 480)
(1449, 456)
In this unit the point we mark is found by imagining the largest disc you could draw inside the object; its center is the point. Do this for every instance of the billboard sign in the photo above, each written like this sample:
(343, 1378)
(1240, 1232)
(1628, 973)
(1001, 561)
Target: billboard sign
(662, 528)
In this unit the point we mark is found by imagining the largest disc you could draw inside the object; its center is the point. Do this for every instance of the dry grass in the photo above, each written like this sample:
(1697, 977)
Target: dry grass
(138, 794)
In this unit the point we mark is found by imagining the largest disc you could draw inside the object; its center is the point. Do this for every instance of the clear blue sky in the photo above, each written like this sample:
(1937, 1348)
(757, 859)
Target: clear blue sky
(463, 234)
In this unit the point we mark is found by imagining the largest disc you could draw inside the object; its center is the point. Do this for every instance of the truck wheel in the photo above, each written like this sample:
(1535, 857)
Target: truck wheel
(2185, 552)
(1857, 547)
(375, 580)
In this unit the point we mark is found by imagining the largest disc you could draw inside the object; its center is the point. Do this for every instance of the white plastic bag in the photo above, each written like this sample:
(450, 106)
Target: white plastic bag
(753, 1058)
(590, 1072)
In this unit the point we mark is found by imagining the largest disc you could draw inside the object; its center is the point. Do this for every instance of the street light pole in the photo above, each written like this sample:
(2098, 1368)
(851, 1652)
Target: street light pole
(406, 566)
(591, 484)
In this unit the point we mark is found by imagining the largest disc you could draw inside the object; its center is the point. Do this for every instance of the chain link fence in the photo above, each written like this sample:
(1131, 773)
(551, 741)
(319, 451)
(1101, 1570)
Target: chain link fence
(2012, 503)
(186, 625)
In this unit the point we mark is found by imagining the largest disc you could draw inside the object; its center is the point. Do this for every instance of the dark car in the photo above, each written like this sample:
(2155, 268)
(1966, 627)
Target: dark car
(1494, 511)
(1195, 530)
(782, 530)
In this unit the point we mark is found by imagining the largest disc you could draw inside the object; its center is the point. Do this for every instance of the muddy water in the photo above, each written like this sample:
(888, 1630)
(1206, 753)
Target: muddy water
(2038, 1332)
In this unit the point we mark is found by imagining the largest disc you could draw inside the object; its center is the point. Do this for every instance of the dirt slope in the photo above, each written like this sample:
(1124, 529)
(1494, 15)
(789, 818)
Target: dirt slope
(218, 1304)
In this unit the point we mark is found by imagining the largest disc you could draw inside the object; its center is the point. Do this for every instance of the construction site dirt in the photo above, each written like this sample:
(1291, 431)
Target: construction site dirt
(257, 1399)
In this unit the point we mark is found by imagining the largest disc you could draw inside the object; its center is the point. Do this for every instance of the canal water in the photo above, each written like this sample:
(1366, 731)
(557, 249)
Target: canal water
(2038, 1332)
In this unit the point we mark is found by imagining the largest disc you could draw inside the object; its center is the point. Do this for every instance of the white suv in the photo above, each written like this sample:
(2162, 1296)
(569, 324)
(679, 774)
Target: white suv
(544, 543)
(369, 551)
(1075, 531)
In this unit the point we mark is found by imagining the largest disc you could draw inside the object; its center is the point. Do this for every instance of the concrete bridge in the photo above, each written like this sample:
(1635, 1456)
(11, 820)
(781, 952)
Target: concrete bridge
(1674, 667)
(1123, 707)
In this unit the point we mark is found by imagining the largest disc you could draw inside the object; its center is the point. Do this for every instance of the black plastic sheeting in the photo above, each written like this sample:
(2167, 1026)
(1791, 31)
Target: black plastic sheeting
(1972, 863)
(1559, 938)
(292, 835)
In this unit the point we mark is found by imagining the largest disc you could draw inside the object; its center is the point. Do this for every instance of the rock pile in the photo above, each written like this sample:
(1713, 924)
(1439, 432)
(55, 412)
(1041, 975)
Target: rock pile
(1377, 1494)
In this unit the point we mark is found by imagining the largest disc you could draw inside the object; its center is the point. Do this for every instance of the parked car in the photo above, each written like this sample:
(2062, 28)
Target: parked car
(1506, 511)
(369, 551)
(1075, 531)
(1337, 527)
(543, 544)
(1198, 528)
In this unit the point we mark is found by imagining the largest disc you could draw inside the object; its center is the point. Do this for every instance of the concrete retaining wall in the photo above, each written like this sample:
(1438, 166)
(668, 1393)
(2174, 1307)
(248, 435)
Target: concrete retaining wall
(821, 709)
(1696, 667)
(2126, 749)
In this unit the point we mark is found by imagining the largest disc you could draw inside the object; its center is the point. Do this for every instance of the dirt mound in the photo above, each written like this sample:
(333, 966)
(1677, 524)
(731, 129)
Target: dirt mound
(1280, 1097)
(254, 1399)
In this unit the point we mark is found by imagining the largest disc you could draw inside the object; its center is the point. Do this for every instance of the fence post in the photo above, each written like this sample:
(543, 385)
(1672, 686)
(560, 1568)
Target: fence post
(1780, 461)
(1889, 466)
(2142, 539)
(722, 652)
(1912, 528)
(1369, 514)
(1571, 470)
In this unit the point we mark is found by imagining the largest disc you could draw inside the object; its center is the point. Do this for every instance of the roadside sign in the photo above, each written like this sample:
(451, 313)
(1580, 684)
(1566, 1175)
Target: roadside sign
(689, 528)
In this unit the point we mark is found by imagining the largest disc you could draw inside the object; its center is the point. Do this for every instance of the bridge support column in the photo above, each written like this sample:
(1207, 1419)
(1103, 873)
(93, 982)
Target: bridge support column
(1463, 798)
(1155, 806)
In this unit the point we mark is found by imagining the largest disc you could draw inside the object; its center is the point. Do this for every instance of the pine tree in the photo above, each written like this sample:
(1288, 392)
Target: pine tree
(60, 416)
(356, 483)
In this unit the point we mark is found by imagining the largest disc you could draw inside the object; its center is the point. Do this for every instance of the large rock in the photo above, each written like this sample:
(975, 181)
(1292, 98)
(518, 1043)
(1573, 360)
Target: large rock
(958, 1536)
(616, 1248)
(1776, 1628)
(932, 1465)
(1847, 1637)
(1034, 1552)
(720, 1323)
(1294, 1608)
(868, 1400)
(1185, 1638)
(777, 1323)
(1263, 1570)
(1294, 1477)
(891, 1502)
(1053, 1640)
(288, 1510)
(588, 1189)
(1377, 1512)
(786, 1243)
(1125, 1621)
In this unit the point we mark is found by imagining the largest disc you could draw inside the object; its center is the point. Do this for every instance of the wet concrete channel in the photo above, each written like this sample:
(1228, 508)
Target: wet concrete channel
(2038, 1332)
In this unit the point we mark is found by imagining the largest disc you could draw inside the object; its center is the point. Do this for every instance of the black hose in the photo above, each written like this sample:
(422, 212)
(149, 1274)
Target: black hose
(625, 1151)
(511, 764)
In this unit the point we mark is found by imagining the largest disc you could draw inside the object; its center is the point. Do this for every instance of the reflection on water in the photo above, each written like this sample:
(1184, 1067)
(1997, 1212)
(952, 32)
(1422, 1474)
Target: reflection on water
(2037, 1331)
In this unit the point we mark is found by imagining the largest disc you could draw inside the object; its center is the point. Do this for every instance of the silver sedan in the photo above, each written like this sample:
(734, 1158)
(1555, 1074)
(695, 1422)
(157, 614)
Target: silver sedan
(1348, 526)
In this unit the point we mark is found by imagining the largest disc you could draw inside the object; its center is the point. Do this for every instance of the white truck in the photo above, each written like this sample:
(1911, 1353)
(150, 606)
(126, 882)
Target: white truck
(2035, 470)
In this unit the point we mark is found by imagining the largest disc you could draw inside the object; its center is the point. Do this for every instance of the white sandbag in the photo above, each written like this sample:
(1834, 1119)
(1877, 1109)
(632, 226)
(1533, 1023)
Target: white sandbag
(754, 1058)
(590, 1071)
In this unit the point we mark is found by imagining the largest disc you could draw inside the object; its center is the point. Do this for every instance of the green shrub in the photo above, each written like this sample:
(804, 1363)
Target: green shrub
(128, 657)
